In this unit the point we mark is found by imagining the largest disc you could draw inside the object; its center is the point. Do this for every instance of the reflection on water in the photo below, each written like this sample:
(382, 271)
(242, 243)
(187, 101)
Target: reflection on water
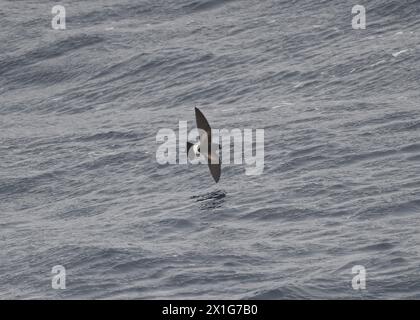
(211, 200)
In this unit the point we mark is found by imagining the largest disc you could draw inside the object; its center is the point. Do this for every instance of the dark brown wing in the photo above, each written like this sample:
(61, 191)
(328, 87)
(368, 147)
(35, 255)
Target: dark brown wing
(215, 170)
(189, 146)
(203, 124)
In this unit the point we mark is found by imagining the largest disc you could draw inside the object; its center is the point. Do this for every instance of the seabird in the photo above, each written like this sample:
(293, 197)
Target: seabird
(205, 146)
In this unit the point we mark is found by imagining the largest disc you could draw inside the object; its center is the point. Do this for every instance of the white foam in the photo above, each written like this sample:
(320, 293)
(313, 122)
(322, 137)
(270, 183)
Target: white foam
(396, 54)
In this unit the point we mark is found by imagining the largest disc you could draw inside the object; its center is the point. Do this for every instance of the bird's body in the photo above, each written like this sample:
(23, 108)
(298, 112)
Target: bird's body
(196, 149)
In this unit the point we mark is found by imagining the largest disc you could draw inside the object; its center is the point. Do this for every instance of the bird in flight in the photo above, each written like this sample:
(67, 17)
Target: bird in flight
(205, 146)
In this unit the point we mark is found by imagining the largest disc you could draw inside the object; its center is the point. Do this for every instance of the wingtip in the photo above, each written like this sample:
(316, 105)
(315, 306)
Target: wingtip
(215, 175)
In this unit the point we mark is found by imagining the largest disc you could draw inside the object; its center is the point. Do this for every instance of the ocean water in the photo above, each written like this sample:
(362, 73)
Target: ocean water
(80, 185)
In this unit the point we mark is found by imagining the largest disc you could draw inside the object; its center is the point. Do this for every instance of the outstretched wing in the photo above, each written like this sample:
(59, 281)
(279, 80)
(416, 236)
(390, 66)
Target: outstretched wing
(203, 124)
(212, 156)
(215, 166)
(190, 151)
(189, 146)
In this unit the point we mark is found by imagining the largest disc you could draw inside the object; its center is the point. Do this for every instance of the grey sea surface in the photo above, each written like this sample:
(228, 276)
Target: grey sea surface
(80, 185)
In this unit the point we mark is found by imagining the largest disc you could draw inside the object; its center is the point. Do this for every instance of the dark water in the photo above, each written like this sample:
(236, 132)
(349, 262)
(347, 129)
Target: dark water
(79, 181)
